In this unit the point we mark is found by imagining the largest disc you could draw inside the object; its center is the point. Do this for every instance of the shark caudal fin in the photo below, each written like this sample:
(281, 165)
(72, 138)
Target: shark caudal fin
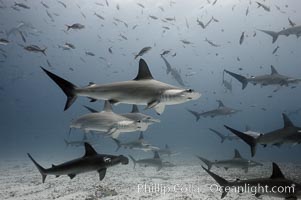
(219, 134)
(221, 181)
(246, 138)
(207, 162)
(134, 161)
(67, 87)
(67, 143)
(273, 34)
(240, 78)
(40, 168)
(117, 143)
(196, 114)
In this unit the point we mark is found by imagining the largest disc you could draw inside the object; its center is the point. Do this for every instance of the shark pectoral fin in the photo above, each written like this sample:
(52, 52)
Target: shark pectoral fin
(152, 104)
(71, 176)
(102, 173)
(113, 132)
(159, 108)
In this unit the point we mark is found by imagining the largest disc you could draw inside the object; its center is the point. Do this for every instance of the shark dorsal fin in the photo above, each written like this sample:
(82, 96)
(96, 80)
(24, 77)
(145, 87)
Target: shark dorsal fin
(143, 72)
(156, 155)
(287, 122)
(276, 172)
(107, 106)
(135, 109)
(220, 103)
(89, 150)
(273, 70)
(236, 154)
(141, 137)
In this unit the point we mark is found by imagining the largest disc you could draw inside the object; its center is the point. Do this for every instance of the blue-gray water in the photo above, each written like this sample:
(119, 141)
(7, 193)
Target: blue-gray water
(32, 117)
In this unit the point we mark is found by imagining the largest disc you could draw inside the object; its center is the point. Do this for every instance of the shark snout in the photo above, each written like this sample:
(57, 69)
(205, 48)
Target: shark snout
(124, 160)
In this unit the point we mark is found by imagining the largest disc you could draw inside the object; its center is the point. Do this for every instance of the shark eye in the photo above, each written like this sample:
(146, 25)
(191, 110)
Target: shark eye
(189, 90)
(139, 121)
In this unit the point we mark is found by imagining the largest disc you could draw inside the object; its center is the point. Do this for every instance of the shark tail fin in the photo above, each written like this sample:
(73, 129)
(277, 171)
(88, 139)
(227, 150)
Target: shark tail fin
(67, 87)
(273, 34)
(118, 144)
(134, 161)
(40, 168)
(66, 142)
(68, 27)
(240, 78)
(207, 162)
(44, 51)
(219, 134)
(221, 181)
(251, 141)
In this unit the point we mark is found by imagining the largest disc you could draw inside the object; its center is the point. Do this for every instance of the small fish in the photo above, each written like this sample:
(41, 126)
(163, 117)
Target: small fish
(110, 50)
(238, 59)
(99, 16)
(242, 37)
(71, 69)
(165, 27)
(107, 3)
(22, 5)
(89, 53)
(211, 43)
(3, 41)
(170, 18)
(99, 4)
(84, 16)
(266, 8)
(275, 50)
(82, 60)
(71, 46)
(117, 6)
(22, 36)
(161, 8)
(124, 37)
(125, 24)
(44, 4)
(35, 48)
(200, 23)
(254, 34)
(141, 5)
(214, 2)
(186, 42)
(165, 52)
(60, 2)
(153, 17)
(49, 15)
(247, 11)
(75, 26)
(291, 22)
(135, 26)
(143, 51)
(173, 55)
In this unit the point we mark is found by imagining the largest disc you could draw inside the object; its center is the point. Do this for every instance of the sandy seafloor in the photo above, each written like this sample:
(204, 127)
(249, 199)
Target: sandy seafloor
(20, 180)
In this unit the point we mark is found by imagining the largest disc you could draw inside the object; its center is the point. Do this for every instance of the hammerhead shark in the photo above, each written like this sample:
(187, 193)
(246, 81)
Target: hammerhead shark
(142, 90)
(264, 186)
(107, 121)
(91, 161)
(220, 111)
(236, 162)
(289, 133)
(268, 79)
